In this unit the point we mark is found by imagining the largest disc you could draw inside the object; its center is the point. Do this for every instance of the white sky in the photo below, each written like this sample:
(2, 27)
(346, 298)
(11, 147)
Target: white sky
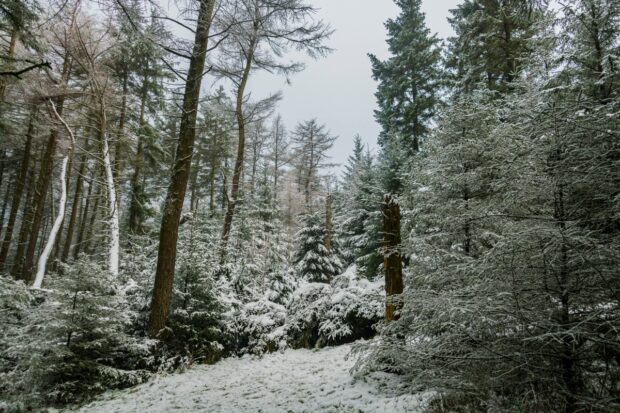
(339, 90)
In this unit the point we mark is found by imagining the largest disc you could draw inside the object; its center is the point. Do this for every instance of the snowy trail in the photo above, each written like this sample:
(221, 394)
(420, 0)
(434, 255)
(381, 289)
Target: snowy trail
(294, 381)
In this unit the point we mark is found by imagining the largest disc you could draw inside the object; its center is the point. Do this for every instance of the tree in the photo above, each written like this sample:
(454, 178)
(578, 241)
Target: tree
(392, 263)
(168, 234)
(311, 142)
(360, 219)
(314, 261)
(493, 41)
(146, 57)
(279, 154)
(263, 31)
(72, 343)
(408, 91)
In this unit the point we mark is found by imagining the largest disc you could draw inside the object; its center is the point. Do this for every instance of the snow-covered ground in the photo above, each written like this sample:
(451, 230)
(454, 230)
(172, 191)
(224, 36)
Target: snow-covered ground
(294, 381)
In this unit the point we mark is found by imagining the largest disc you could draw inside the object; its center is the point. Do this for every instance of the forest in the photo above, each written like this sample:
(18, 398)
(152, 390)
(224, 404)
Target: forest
(167, 243)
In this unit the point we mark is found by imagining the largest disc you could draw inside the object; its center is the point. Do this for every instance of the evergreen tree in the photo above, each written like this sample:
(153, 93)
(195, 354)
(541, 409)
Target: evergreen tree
(74, 344)
(408, 92)
(359, 221)
(493, 41)
(314, 262)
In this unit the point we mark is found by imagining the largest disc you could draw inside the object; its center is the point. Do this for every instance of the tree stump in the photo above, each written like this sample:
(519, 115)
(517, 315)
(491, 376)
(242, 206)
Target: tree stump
(392, 263)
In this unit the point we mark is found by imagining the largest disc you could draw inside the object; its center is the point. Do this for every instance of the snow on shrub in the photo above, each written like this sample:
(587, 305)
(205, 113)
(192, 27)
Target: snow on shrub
(329, 314)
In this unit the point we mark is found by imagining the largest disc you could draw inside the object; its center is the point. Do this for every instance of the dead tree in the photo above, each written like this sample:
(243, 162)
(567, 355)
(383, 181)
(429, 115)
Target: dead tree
(392, 263)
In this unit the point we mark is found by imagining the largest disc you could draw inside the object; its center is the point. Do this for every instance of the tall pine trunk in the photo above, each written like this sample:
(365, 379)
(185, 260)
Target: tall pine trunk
(19, 190)
(135, 205)
(169, 232)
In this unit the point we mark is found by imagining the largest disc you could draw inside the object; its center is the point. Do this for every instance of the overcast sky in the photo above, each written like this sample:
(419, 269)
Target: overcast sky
(338, 90)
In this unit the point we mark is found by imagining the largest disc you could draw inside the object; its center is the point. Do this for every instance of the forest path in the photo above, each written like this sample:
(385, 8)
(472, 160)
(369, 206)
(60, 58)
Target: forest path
(293, 381)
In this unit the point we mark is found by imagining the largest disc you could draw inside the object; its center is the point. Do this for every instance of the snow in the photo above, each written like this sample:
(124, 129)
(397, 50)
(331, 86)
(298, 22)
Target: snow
(51, 241)
(293, 381)
(114, 248)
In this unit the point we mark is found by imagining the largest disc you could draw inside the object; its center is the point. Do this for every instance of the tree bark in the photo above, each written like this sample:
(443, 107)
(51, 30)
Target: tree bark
(5, 203)
(328, 224)
(118, 148)
(43, 183)
(391, 257)
(193, 202)
(234, 192)
(19, 190)
(10, 53)
(113, 207)
(84, 218)
(25, 223)
(93, 218)
(168, 235)
(42, 263)
(79, 184)
(135, 205)
(62, 204)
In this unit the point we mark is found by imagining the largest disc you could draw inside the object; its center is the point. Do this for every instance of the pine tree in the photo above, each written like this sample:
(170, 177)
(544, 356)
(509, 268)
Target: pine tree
(408, 92)
(76, 343)
(314, 262)
(359, 218)
(492, 42)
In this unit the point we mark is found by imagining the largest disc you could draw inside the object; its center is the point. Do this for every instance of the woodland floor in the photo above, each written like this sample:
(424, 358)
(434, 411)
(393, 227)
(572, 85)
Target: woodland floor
(293, 381)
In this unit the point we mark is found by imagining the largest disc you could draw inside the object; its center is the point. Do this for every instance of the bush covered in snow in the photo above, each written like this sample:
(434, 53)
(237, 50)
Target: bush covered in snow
(345, 310)
(250, 328)
(71, 342)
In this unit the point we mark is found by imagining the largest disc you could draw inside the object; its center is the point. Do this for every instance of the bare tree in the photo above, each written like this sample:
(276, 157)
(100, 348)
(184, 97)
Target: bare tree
(263, 30)
(311, 142)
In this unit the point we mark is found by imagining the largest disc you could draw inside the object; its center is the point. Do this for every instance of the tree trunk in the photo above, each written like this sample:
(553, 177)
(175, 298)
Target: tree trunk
(83, 219)
(93, 218)
(62, 205)
(25, 224)
(19, 190)
(193, 203)
(79, 184)
(113, 212)
(118, 148)
(43, 183)
(212, 172)
(328, 224)
(38, 281)
(135, 205)
(58, 244)
(168, 235)
(391, 257)
(5, 203)
(234, 193)
(10, 53)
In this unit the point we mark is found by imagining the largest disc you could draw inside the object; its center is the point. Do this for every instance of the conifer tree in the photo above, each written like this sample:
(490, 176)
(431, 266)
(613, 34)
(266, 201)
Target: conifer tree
(314, 262)
(408, 92)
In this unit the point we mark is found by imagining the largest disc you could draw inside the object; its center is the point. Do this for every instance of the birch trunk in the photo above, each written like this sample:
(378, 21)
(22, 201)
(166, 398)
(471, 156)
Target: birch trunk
(60, 216)
(38, 281)
(113, 220)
